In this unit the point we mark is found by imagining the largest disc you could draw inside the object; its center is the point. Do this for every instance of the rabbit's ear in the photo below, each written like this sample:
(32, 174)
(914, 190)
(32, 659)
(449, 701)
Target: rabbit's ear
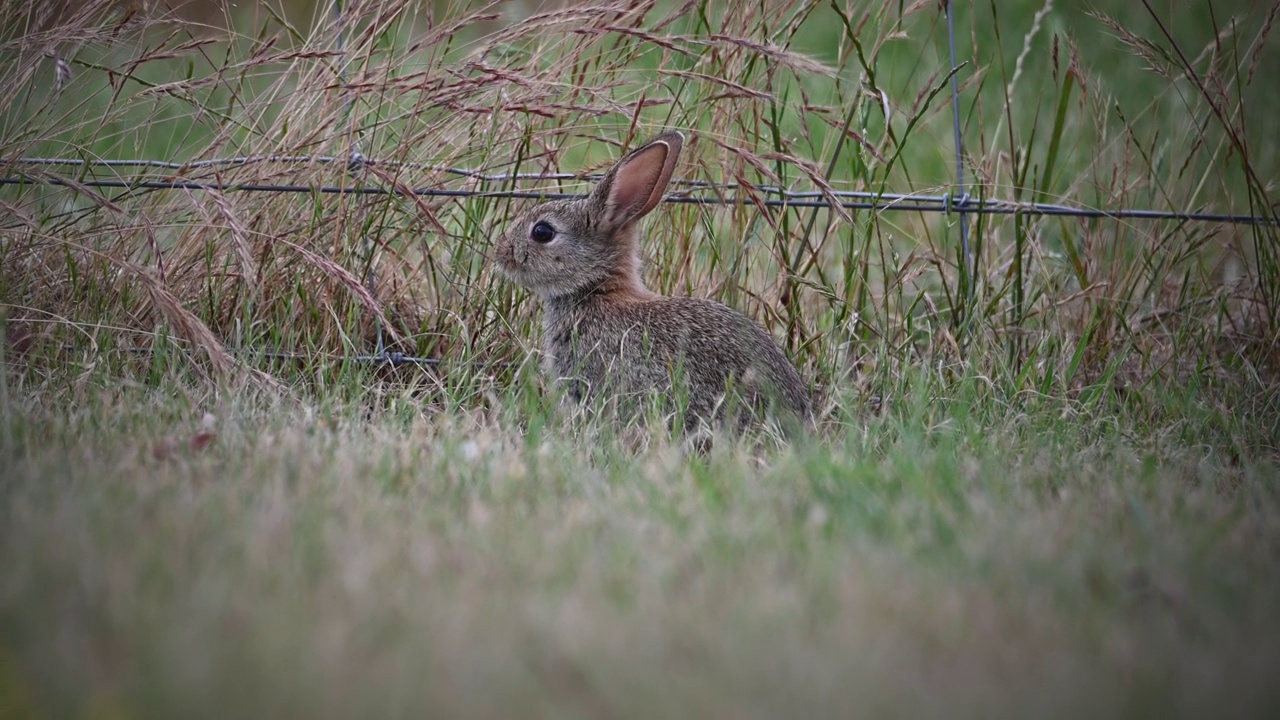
(638, 182)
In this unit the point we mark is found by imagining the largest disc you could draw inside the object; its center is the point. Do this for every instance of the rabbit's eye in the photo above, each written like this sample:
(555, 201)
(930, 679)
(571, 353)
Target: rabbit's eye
(542, 233)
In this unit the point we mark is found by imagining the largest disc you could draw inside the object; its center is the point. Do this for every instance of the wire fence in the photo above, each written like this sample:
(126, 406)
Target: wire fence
(694, 192)
(958, 201)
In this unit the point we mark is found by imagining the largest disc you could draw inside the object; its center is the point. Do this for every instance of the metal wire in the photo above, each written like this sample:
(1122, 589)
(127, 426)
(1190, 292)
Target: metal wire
(286, 160)
(383, 357)
(847, 199)
(967, 256)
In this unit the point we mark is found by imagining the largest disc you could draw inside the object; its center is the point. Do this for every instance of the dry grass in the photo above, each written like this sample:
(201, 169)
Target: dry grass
(767, 96)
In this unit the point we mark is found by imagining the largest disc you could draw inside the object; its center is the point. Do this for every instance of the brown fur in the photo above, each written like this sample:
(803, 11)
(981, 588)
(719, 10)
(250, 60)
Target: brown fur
(609, 338)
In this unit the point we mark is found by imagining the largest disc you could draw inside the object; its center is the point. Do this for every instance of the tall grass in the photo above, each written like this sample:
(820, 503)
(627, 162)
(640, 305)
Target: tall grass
(802, 95)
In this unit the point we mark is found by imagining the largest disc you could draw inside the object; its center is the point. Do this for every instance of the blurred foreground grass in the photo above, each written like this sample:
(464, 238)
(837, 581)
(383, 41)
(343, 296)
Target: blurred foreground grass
(957, 556)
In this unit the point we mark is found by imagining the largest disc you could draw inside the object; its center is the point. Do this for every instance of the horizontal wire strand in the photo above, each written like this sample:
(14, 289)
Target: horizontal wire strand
(848, 199)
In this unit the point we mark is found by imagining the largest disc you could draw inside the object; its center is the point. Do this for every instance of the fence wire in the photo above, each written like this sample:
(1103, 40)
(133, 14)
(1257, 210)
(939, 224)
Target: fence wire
(693, 192)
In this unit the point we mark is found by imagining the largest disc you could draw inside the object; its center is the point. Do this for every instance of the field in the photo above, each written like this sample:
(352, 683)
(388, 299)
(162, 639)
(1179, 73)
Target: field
(1044, 478)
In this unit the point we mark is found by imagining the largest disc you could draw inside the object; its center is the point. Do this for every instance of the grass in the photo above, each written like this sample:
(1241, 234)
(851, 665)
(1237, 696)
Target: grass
(1045, 485)
(948, 558)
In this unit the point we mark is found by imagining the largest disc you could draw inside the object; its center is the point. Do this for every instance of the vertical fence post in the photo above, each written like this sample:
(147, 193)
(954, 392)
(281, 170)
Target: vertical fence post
(355, 167)
(960, 196)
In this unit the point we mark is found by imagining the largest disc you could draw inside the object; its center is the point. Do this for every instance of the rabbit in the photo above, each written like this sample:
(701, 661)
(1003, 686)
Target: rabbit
(608, 337)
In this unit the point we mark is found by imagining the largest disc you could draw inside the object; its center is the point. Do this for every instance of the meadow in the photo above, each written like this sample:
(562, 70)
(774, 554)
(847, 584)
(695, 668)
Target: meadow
(1043, 479)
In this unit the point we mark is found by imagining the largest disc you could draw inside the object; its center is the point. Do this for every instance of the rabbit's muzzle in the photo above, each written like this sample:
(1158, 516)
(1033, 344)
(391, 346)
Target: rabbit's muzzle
(511, 258)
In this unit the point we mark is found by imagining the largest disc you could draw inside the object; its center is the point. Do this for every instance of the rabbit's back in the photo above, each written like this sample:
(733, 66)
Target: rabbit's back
(665, 349)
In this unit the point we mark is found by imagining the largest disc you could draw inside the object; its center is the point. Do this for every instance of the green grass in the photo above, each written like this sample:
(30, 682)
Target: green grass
(1044, 489)
(955, 555)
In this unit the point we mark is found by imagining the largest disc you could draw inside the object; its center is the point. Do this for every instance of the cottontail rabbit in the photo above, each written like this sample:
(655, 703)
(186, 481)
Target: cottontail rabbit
(610, 338)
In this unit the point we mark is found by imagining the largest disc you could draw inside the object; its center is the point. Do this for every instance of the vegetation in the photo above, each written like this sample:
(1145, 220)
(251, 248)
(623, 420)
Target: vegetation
(1044, 479)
